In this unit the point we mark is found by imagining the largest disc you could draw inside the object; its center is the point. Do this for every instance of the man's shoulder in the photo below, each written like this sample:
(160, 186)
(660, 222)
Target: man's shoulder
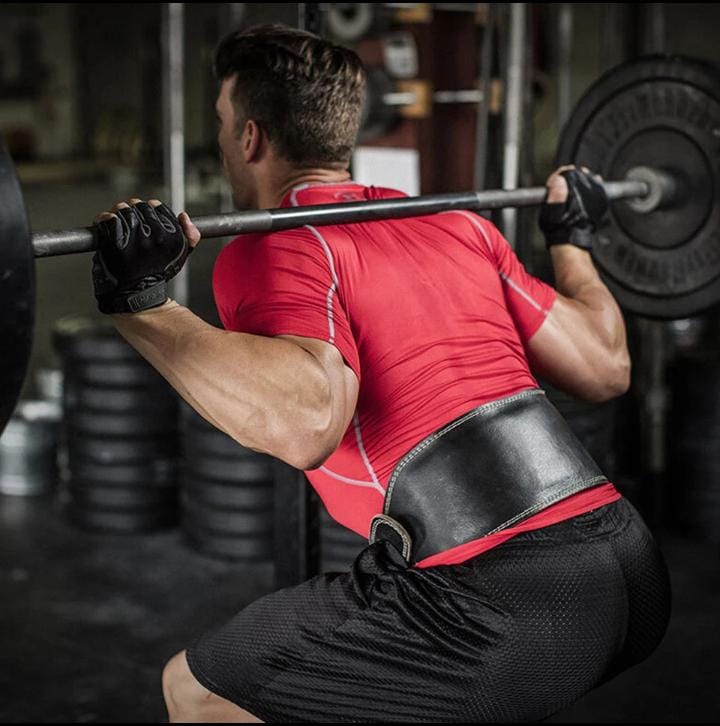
(255, 242)
(292, 247)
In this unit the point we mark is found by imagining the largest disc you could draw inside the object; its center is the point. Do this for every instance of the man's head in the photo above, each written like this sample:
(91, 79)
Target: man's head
(286, 93)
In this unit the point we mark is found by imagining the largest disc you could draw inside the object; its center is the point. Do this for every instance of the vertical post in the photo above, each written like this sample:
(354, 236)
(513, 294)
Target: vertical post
(310, 17)
(564, 62)
(615, 34)
(654, 399)
(653, 28)
(514, 117)
(483, 110)
(174, 123)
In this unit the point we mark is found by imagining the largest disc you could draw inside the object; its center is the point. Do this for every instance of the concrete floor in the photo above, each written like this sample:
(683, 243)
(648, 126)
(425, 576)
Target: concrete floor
(88, 620)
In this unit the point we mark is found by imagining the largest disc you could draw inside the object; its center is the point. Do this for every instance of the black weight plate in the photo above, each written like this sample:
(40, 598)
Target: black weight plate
(205, 442)
(194, 423)
(123, 373)
(89, 495)
(82, 338)
(119, 451)
(121, 522)
(229, 496)
(156, 473)
(230, 470)
(334, 530)
(339, 546)
(17, 288)
(661, 112)
(342, 539)
(160, 400)
(252, 548)
(231, 521)
(120, 424)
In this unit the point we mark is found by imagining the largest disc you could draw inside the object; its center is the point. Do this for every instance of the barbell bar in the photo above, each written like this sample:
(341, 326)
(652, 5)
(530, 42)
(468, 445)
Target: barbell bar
(654, 185)
(652, 125)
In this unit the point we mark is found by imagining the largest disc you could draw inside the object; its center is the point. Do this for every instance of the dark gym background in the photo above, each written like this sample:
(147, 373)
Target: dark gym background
(87, 620)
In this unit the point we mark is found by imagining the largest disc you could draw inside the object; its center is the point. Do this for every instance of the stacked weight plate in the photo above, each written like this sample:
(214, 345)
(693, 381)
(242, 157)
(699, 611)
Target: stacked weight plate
(120, 432)
(339, 546)
(227, 494)
(28, 457)
(694, 445)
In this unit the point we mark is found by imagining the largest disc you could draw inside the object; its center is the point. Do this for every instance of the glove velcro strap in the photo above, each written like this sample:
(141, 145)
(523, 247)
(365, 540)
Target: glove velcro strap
(134, 301)
(150, 298)
(582, 238)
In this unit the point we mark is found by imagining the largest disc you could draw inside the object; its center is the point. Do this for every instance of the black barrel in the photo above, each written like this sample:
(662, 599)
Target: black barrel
(121, 432)
(227, 494)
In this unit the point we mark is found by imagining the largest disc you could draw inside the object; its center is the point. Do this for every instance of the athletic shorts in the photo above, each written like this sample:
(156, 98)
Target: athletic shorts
(516, 633)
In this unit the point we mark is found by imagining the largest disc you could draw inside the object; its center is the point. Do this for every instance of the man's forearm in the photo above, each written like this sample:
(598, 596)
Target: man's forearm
(267, 393)
(577, 278)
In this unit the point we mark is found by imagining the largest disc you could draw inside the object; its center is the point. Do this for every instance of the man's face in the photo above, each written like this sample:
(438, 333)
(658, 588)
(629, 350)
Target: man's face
(230, 143)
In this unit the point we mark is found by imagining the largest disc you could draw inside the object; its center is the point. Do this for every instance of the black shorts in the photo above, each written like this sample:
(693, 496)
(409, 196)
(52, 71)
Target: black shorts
(515, 633)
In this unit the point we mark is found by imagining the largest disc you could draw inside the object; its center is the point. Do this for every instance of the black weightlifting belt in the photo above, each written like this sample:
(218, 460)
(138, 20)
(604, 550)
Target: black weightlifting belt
(487, 470)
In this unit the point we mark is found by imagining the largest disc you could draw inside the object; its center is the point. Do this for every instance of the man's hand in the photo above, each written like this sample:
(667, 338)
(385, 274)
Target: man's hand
(574, 207)
(141, 246)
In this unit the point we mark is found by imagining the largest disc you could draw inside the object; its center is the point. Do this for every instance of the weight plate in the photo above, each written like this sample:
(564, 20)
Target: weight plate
(28, 452)
(230, 470)
(119, 451)
(662, 112)
(234, 496)
(118, 374)
(120, 522)
(160, 401)
(205, 442)
(349, 21)
(17, 288)
(89, 495)
(159, 473)
(250, 548)
(339, 546)
(232, 521)
(120, 424)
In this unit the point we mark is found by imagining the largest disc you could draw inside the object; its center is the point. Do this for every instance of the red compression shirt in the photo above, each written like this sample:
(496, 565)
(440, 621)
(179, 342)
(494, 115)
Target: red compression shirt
(431, 313)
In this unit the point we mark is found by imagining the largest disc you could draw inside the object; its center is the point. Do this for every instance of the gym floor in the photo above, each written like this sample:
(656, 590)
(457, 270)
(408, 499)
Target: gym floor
(89, 620)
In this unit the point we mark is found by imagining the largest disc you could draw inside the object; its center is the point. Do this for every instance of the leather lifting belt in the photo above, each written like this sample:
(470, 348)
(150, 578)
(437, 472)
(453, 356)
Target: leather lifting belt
(487, 470)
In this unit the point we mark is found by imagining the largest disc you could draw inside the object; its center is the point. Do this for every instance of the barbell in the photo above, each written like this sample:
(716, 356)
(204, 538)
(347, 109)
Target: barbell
(651, 125)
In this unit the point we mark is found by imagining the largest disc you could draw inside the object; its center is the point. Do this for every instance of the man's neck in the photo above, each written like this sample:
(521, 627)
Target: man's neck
(270, 195)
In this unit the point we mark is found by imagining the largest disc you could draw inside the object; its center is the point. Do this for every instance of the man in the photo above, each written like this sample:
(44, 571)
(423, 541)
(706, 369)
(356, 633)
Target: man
(392, 361)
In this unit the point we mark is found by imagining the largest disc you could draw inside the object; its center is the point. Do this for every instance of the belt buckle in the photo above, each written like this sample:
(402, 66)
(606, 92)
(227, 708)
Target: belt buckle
(383, 527)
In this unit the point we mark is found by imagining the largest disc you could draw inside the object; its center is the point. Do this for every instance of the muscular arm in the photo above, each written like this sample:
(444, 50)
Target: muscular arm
(581, 347)
(287, 396)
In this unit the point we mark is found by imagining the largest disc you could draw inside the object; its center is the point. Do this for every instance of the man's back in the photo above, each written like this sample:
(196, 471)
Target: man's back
(430, 313)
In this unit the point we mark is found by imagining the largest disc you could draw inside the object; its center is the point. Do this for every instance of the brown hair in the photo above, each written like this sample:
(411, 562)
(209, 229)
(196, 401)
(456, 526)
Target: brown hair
(305, 92)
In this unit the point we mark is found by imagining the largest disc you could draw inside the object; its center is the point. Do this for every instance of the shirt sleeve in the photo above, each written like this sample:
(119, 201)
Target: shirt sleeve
(528, 298)
(283, 284)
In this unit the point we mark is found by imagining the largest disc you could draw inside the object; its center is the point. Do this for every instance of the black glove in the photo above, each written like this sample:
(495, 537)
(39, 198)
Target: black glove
(575, 220)
(139, 250)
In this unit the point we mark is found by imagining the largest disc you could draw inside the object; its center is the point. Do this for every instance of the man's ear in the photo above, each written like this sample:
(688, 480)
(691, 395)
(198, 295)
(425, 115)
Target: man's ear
(253, 140)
